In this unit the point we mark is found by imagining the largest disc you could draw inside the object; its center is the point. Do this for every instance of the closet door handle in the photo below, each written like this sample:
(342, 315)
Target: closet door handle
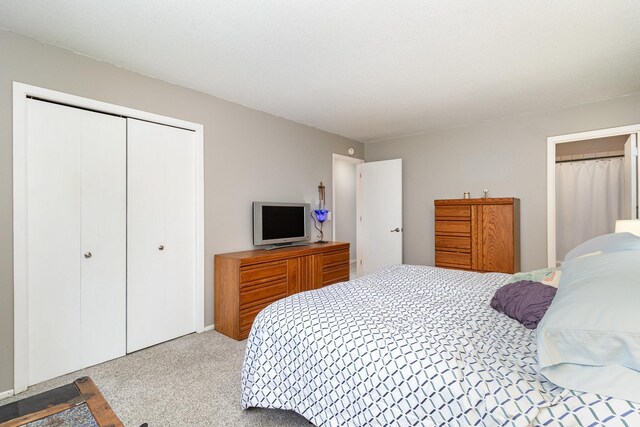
(87, 255)
(161, 247)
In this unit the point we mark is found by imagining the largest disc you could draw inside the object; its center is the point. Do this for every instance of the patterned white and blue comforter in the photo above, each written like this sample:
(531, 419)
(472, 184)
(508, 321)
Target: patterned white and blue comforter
(410, 346)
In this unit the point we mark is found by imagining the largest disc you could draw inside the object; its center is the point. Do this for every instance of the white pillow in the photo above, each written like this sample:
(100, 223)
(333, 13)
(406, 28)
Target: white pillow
(606, 243)
(589, 339)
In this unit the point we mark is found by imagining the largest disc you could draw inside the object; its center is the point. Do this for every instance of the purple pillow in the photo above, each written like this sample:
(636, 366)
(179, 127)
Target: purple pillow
(524, 301)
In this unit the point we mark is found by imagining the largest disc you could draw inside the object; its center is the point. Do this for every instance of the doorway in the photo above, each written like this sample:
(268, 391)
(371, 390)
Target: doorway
(344, 213)
(592, 182)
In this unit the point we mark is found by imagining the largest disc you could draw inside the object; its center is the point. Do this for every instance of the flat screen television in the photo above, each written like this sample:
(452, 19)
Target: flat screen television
(280, 224)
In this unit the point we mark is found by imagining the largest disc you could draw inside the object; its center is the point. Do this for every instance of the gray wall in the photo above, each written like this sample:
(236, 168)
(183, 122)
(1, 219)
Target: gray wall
(506, 156)
(249, 155)
(345, 187)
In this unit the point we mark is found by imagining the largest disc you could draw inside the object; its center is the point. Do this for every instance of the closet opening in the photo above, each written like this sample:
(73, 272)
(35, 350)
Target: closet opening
(592, 183)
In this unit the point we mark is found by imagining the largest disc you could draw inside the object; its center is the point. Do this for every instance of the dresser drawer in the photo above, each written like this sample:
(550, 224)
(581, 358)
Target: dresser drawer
(255, 275)
(453, 212)
(456, 244)
(336, 258)
(453, 228)
(453, 259)
(264, 293)
(248, 315)
(335, 268)
(335, 275)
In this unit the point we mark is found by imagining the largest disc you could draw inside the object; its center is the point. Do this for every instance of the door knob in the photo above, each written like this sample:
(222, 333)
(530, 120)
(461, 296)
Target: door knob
(87, 255)
(396, 230)
(161, 247)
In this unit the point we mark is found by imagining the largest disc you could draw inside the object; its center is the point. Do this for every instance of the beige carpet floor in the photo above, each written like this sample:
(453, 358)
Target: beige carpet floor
(190, 381)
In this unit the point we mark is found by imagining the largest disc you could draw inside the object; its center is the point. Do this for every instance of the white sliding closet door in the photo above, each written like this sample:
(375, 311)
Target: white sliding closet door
(76, 223)
(161, 266)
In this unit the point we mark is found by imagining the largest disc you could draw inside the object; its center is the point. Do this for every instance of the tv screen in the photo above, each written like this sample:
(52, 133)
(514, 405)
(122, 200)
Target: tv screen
(280, 223)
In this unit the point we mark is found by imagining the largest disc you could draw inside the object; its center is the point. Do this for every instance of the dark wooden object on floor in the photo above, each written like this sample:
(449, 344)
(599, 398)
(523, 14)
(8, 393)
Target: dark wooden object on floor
(248, 281)
(87, 393)
(478, 234)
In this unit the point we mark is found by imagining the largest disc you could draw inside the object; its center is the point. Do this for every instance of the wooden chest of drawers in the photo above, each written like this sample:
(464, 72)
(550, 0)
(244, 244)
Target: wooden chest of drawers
(246, 282)
(478, 234)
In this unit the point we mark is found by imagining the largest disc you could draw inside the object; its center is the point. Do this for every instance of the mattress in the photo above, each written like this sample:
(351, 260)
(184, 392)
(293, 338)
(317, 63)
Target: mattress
(409, 346)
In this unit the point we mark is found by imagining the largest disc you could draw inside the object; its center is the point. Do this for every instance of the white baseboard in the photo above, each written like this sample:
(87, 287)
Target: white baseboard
(5, 394)
(209, 328)
(352, 261)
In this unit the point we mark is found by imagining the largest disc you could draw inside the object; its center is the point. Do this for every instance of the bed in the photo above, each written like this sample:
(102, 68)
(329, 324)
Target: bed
(410, 346)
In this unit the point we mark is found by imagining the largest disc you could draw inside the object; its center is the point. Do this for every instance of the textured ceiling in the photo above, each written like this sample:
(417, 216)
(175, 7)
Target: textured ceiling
(368, 70)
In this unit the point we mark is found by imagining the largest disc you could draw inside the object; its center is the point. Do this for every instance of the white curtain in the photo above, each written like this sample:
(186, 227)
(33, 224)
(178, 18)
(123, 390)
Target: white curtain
(589, 200)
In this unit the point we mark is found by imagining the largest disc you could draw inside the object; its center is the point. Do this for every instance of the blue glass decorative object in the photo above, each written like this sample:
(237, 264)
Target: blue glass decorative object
(320, 216)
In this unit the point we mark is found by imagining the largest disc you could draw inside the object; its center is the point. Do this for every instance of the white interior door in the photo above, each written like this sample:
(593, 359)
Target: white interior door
(379, 225)
(161, 242)
(76, 198)
(631, 177)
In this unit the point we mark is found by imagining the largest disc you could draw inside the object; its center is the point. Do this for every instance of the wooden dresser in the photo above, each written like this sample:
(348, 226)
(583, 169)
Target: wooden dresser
(478, 234)
(246, 282)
